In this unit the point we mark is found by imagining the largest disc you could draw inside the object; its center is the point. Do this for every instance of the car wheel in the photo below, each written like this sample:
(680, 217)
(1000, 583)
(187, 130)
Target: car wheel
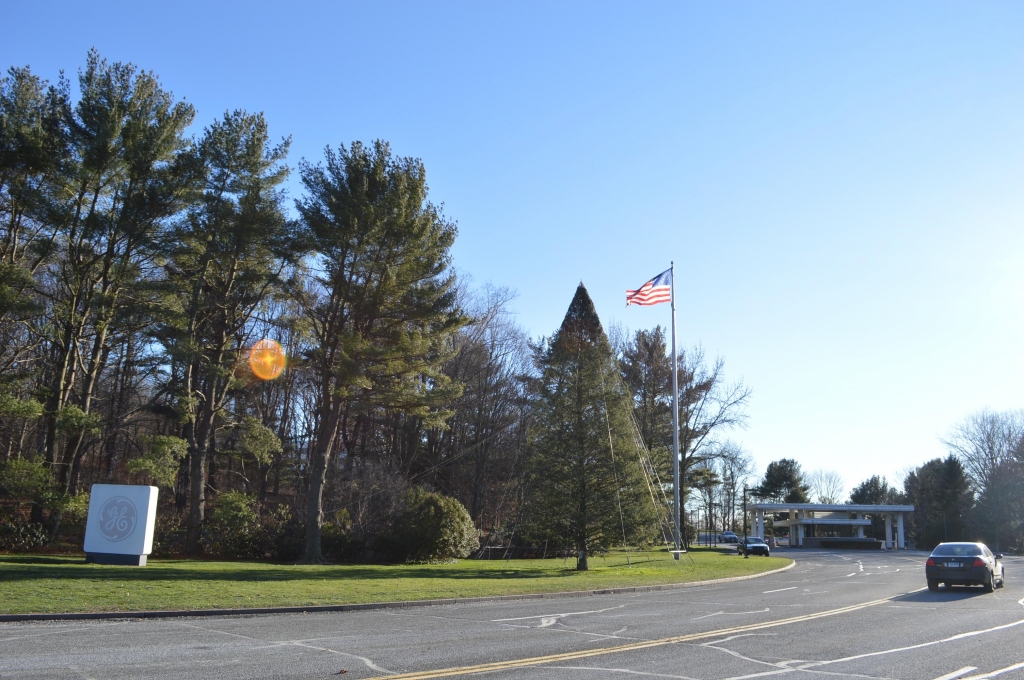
(933, 585)
(1002, 578)
(987, 583)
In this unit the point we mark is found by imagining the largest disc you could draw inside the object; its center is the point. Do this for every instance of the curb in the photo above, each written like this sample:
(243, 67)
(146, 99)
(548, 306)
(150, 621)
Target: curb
(253, 611)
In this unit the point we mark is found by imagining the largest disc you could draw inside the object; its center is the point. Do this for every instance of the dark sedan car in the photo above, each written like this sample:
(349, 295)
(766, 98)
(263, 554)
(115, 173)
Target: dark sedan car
(752, 545)
(964, 564)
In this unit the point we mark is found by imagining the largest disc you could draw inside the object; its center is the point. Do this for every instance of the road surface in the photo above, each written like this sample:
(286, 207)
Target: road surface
(834, 615)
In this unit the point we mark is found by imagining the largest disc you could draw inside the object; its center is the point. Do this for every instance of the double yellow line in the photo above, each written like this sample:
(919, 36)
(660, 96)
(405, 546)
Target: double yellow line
(633, 646)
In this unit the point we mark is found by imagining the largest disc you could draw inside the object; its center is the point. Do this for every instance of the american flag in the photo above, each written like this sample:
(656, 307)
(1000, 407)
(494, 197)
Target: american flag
(658, 289)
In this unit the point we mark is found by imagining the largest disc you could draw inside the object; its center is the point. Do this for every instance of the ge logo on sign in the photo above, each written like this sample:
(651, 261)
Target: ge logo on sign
(117, 519)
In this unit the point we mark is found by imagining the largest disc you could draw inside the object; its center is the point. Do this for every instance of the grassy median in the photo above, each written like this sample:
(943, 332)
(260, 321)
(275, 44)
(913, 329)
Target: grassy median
(37, 584)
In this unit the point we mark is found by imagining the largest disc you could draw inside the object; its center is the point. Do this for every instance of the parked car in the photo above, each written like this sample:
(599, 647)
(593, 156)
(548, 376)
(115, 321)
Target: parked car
(730, 537)
(964, 564)
(752, 545)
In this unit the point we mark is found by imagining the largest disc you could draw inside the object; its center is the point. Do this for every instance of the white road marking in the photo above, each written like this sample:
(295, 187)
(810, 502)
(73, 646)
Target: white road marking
(957, 674)
(557, 616)
(62, 631)
(779, 590)
(992, 674)
(714, 645)
(368, 662)
(810, 667)
(849, 575)
(296, 643)
(627, 671)
(953, 638)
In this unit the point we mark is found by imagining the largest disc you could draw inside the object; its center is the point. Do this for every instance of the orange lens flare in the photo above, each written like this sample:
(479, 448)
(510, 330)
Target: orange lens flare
(266, 359)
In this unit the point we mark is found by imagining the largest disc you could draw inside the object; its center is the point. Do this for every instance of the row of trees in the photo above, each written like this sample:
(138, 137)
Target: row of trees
(139, 263)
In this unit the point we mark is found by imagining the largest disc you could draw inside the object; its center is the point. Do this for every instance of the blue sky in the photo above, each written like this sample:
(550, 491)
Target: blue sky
(838, 183)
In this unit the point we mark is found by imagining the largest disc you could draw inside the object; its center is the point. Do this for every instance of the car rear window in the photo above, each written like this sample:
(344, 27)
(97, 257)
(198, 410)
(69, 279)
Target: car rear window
(957, 550)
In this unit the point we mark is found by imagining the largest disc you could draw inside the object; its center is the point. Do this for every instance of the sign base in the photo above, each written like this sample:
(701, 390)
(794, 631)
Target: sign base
(115, 558)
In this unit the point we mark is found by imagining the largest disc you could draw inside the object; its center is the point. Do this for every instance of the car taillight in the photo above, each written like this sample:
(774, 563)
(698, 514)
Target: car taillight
(930, 562)
(978, 562)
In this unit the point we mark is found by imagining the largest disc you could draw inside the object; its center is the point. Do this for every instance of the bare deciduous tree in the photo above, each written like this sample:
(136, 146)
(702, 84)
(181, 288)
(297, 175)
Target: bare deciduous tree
(827, 486)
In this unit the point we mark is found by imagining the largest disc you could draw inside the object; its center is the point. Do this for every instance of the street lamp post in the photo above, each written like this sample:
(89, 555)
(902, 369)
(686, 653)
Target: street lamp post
(746, 553)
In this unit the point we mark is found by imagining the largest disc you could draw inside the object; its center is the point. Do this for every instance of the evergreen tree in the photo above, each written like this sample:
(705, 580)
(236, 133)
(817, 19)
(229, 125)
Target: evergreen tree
(587, 482)
(224, 263)
(783, 481)
(876, 491)
(383, 307)
(121, 183)
(647, 370)
(940, 492)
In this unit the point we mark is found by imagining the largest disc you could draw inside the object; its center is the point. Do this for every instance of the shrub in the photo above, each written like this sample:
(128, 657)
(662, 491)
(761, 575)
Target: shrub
(23, 480)
(168, 534)
(337, 545)
(283, 535)
(16, 537)
(234, 526)
(434, 527)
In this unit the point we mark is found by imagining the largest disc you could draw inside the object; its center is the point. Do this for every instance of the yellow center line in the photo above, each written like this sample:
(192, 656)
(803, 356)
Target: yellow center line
(633, 646)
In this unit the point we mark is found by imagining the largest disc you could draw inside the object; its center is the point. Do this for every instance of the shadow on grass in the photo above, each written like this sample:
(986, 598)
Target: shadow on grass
(37, 568)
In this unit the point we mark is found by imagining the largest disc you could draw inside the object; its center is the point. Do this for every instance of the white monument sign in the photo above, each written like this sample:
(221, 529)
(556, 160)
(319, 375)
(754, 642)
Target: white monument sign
(120, 525)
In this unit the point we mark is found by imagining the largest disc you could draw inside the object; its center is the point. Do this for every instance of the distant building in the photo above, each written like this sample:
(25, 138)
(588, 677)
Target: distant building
(820, 525)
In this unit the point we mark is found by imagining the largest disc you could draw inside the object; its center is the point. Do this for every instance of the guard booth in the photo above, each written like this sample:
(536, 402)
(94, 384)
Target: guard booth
(823, 525)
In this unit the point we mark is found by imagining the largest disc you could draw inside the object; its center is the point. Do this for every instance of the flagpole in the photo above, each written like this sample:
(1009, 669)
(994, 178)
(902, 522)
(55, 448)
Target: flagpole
(675, 418)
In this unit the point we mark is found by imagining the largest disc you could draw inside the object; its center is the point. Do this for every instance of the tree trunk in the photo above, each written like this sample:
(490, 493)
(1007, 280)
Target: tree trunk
(196, 500)
(313, 553)
(199, 452)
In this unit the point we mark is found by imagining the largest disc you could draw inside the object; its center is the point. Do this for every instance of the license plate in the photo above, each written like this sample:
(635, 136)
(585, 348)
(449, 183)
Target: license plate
(954, 565)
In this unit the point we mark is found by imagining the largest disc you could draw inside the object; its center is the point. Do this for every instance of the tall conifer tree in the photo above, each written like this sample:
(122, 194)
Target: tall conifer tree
(383, 308)
(227, 259)
(587, 480)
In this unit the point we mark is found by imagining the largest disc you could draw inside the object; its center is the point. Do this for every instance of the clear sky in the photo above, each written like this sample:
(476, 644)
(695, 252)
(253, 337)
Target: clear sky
(840, 184)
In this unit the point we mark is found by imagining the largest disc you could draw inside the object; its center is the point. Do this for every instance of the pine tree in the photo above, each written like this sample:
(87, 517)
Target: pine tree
(383, 309)
(122, 182)
(587, 483)
(940, 492)
(783, 481)
(226, 259)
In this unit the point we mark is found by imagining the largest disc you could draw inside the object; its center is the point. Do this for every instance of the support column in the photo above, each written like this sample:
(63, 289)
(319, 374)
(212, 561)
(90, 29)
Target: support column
(760, 524)
(888, 530)
(860, 529)
(900, 539)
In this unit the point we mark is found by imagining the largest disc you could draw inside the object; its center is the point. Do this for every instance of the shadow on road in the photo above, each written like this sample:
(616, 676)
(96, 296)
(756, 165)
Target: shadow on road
(943, 595)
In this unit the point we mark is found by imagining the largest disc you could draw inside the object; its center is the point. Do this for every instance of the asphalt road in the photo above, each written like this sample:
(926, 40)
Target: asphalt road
(836, 614)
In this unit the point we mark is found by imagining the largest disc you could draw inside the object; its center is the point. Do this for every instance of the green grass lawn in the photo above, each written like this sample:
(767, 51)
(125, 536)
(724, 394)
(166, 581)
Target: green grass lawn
(37, 584)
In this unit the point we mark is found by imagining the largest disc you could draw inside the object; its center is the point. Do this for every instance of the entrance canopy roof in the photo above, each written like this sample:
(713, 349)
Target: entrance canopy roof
(828, 507)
